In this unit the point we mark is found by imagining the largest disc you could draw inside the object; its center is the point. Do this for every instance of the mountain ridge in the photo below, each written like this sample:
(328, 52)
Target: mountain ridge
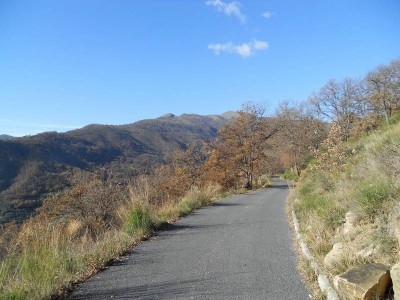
(34, 166)
(6, 137)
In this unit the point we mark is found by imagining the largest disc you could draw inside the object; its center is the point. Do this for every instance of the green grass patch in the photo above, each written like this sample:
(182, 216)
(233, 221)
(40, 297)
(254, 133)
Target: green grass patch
(290, 175)
(371, 196)
(43, 266)
(324, 207)
(139, 219)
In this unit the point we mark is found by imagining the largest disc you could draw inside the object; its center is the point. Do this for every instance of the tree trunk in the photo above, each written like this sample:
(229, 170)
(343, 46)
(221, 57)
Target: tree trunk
(249, 183)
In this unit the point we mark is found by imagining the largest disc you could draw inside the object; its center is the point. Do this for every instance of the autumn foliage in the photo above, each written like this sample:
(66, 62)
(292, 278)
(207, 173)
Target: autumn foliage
(97, 217)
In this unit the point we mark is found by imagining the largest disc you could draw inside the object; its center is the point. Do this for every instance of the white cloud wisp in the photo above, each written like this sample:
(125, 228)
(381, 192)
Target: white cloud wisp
(229, 9)
(268, 14)
(244, 50)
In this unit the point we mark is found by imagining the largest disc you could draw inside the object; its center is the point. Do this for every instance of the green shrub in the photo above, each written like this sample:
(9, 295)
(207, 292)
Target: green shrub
(139, 219)
(372, 195)
(203, 200)
(186, 206)
(290, 175)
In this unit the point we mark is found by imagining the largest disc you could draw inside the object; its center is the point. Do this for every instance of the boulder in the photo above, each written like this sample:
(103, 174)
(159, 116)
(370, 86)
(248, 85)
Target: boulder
(395, 274)
(370, 282)
(334, 255)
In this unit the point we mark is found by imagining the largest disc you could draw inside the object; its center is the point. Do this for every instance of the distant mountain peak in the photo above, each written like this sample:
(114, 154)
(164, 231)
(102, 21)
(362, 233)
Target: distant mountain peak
(230, 115)
(167, 116)
(6, 137)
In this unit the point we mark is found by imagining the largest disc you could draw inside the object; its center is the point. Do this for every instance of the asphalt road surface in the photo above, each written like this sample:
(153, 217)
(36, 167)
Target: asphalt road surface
(238, 248)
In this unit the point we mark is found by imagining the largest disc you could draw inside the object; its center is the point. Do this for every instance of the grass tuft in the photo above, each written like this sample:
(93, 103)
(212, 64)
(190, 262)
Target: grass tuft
(371, 196)
(139, 219)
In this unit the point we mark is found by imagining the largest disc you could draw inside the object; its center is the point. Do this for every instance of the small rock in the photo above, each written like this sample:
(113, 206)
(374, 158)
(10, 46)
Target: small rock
(395, 274)
(339, 230)
(336, 282)
(334, 255)
(370, 282)
(351, 221)
(367, 252)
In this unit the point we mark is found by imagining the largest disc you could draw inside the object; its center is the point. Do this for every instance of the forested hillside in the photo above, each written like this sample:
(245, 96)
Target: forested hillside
(34, 166)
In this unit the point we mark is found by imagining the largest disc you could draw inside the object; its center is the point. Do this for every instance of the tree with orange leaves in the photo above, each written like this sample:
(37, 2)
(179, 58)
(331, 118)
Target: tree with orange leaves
(239, 148)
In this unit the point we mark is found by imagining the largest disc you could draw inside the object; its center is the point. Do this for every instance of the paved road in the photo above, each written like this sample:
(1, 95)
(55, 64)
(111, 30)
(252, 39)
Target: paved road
(239, 248)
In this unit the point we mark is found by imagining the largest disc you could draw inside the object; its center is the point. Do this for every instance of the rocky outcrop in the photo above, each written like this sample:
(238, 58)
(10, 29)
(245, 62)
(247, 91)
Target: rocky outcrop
(395, 274)
(370, 282)
(334, 255)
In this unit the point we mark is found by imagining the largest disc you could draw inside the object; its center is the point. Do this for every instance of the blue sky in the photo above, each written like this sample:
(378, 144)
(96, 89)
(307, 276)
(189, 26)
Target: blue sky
(65, 64)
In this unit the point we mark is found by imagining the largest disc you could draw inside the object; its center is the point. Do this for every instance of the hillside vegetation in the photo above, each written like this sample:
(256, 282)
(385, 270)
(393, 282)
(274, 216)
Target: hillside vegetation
(347, 199)
(34, 166)
(110, 203)
(360, 178)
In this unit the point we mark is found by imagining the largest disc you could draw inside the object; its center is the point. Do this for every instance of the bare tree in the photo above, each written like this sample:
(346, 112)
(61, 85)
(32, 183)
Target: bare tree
(189, 163)
(340, 102)
(384, 89)
(300, 132)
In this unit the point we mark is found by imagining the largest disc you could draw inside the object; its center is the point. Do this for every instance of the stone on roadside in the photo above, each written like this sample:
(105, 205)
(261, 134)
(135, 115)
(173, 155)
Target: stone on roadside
(351, 222)
(369, 282)
(334, 255)
(367, 252)
(395, 275)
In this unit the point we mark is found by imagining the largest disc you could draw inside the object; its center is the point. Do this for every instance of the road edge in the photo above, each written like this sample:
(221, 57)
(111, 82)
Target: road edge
(323, 281)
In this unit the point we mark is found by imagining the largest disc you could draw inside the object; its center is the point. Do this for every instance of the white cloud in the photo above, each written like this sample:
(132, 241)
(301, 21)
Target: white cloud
(260, 45)
(268, 14)
(244, 50)
(229, 9)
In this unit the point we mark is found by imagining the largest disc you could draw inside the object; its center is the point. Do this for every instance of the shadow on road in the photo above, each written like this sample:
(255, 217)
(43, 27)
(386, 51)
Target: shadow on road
(192, 228)
(223, 203)
(168, 289)
(279, 186)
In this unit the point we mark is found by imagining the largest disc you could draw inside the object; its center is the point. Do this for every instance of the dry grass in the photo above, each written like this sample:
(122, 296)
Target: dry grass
(369, 185)
(310, 279)
(53, 251)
